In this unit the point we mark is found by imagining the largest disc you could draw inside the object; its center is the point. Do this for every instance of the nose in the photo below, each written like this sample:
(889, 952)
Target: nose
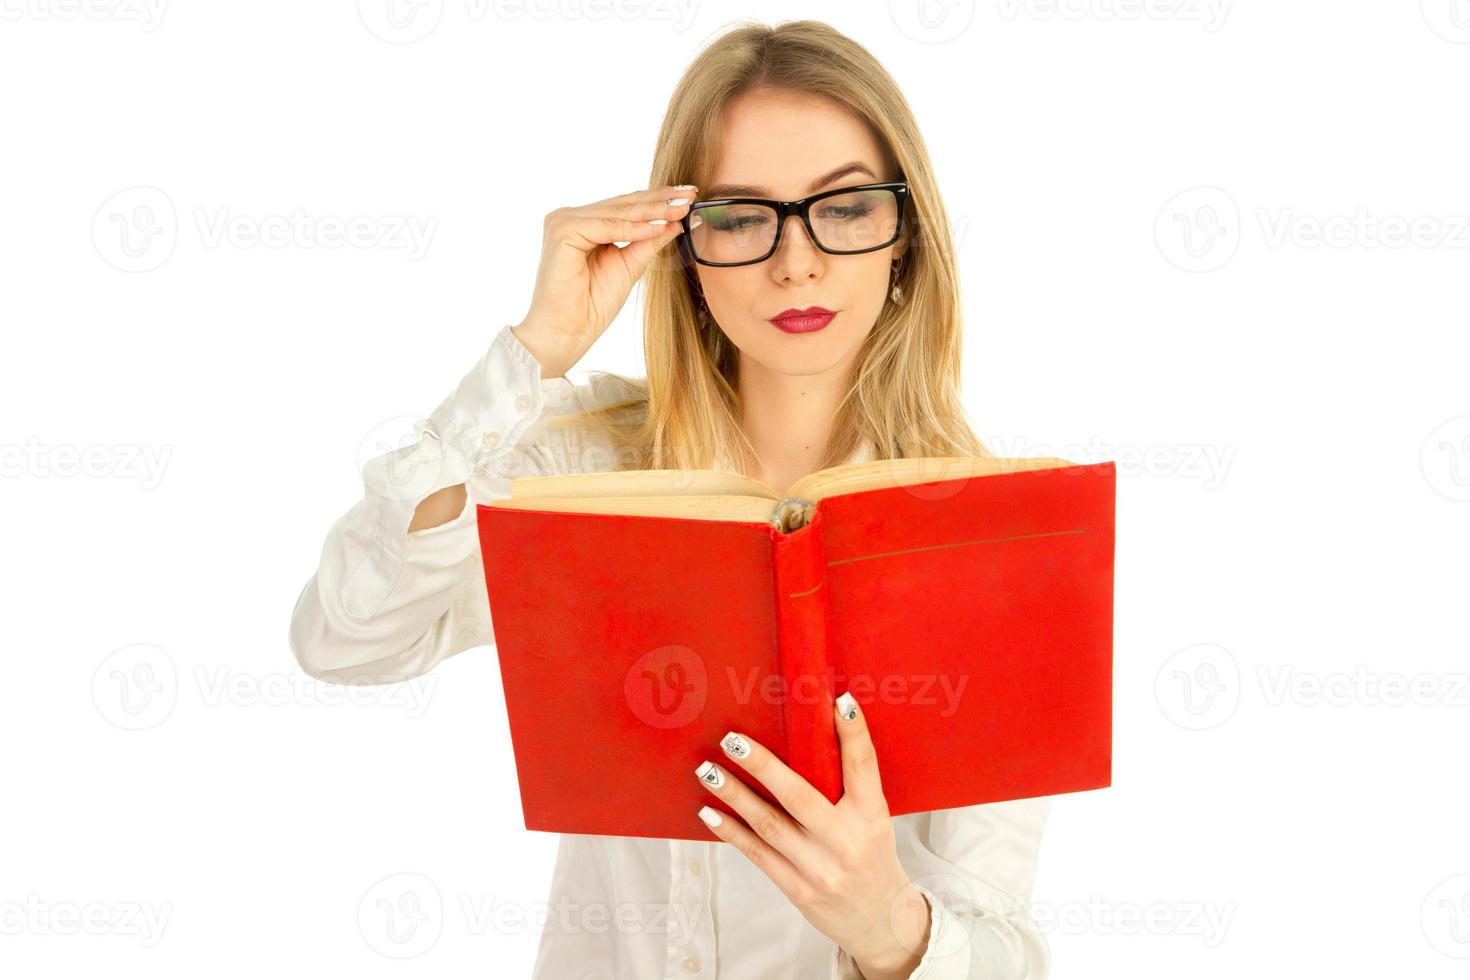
(797, 256)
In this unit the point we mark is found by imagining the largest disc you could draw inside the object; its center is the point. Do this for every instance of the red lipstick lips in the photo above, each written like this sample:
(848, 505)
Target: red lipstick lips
(803, 321)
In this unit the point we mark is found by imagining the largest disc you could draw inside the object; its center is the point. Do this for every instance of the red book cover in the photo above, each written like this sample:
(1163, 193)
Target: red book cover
(971, 619)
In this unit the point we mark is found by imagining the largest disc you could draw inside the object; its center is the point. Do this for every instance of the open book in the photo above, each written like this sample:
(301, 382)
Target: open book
(640, 615)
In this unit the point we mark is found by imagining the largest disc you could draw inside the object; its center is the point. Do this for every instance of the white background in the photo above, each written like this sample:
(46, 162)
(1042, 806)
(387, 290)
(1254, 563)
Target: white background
(1225, 244)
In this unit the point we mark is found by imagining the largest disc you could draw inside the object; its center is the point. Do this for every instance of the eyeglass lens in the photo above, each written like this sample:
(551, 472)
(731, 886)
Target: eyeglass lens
(843, 223)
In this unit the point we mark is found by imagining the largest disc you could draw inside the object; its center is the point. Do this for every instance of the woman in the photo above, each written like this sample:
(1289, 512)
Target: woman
(772, 355)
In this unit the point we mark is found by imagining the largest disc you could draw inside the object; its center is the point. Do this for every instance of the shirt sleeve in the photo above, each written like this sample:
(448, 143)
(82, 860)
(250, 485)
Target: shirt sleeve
(386, 605)
(976, 867)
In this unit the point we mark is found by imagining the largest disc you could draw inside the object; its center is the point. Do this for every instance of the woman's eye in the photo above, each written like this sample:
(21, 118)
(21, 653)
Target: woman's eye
(737, 222)
(847, 212)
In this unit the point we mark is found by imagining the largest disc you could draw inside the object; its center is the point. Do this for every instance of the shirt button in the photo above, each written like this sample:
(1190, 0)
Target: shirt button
(492, 439)
(695, 868)
(523, 402)
(692, 964)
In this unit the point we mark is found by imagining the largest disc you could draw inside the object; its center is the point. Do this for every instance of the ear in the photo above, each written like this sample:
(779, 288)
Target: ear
(901, 247)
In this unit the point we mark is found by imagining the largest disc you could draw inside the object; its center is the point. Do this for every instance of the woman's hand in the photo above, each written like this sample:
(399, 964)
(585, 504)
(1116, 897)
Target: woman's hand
(838, 864)
(584, 279)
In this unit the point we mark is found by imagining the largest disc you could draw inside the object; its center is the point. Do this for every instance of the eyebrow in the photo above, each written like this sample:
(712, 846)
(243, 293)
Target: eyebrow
(753, 190)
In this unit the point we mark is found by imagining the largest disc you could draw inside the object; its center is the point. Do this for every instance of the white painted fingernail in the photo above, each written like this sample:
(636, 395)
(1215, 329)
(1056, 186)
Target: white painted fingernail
(846, 706)
(710, 774)
(658, 221)
(674, 202)
(710, 816)
(684, 187)
(695, 221)
(735, 745)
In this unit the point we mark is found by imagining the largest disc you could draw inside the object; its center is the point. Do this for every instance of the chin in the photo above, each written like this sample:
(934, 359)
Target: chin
(800, 355)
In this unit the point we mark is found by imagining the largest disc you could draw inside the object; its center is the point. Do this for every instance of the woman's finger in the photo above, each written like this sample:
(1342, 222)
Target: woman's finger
(586, 232)
(861, 782)
(647, 221)
(770, 824)
(645, 207)
(800, 798)
(774, 865)
(648, 193)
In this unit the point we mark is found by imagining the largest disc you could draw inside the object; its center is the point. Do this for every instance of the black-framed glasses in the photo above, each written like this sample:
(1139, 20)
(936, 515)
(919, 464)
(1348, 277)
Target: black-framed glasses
(845, 221)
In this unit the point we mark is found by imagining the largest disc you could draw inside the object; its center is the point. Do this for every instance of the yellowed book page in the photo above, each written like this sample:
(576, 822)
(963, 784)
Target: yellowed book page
(641, 483)
(708, 507)
(880, 473)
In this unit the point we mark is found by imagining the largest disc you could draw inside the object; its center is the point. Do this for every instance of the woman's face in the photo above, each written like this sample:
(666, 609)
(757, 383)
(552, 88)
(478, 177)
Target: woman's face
(786, 145)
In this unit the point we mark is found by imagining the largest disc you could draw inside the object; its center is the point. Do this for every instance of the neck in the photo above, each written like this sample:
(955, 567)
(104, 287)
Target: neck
(787, 419)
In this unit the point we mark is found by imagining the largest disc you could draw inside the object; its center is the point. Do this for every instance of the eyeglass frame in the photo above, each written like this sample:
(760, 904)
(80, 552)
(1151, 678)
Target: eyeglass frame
(802, 209)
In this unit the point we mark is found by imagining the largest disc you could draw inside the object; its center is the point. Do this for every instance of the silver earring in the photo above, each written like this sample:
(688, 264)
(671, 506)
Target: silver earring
(897, 291)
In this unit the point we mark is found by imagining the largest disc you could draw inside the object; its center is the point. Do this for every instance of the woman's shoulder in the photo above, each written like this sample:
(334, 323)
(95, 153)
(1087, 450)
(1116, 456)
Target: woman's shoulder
(589, 421)
(594, 388)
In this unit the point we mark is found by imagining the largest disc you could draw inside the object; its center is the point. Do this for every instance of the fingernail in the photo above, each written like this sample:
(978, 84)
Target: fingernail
(674, 202)
(695, 221)
(846, 706)
(735, 745)
(710, 775)
(658, 221)
(710, 816)
(683, 187)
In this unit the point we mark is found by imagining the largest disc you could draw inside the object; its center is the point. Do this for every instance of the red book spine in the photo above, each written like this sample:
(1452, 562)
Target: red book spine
(800, 572)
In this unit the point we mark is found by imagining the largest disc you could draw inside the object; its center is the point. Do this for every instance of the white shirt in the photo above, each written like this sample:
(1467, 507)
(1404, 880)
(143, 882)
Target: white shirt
(387, 605)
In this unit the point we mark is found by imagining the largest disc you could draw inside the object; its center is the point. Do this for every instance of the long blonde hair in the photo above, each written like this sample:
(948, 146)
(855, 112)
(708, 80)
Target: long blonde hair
(903, 400)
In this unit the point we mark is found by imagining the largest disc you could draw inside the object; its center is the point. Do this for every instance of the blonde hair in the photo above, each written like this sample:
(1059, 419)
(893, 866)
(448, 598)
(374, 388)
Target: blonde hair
(903, 400)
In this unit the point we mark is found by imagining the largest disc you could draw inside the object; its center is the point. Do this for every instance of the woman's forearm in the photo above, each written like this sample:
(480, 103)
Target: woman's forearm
(439, 507)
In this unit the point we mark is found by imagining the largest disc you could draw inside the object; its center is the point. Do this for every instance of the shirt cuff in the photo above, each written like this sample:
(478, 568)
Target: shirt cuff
(494, 404)
(481, 422)
(931, 965)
